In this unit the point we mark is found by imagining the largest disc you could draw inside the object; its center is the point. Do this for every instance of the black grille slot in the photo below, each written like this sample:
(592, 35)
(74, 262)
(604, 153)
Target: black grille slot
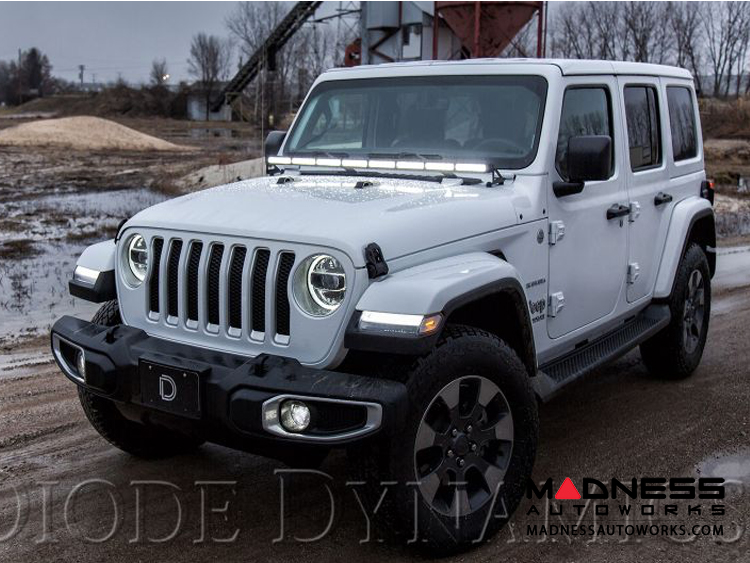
(235, 286)
(214, 267)
(282, 295)
(153, 285)
(260, 268)
(173, 281)
(196, 249)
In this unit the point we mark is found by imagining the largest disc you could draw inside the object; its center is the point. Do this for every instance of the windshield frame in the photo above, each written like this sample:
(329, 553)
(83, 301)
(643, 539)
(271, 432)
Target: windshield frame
(499, 163)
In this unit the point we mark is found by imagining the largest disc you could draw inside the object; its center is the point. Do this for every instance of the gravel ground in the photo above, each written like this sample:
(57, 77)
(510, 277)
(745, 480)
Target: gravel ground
(617, 422)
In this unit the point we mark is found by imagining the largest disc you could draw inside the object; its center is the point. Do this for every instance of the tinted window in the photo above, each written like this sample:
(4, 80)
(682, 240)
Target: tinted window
(642, 116)
(682, 122)
(474, 118)
(585, 112)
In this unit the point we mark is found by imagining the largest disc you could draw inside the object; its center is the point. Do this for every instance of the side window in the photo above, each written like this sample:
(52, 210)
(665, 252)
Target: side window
(585, 111)
(682, 122)
(642, 116)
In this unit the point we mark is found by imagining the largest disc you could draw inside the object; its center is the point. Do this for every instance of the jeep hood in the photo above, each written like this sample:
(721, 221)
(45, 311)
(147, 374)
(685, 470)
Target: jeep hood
(403, 216)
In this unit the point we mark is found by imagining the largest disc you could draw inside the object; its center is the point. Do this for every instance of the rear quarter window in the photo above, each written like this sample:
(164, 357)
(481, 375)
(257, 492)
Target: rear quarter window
(682, 122)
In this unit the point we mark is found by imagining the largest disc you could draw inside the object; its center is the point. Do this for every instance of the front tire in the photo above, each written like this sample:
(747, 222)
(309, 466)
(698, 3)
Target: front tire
(676, 351)
(136, 439)
(461, 464)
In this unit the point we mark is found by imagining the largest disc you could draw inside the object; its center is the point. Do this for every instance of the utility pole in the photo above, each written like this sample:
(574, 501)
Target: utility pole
(81, 68)
(20, 77)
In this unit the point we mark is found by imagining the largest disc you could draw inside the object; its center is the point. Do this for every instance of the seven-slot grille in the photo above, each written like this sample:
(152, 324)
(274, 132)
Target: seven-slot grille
(218, 283)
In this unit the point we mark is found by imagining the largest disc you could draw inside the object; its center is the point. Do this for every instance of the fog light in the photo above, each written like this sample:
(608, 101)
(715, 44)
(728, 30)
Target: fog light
(295, 416)
(81, 364)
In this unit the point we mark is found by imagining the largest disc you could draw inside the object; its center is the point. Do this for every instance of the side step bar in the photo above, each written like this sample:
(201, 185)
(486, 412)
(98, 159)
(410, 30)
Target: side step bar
(554, 375)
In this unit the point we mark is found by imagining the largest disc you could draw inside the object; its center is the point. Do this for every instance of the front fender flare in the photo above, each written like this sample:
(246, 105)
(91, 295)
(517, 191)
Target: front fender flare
(436, 287)
(99, 257)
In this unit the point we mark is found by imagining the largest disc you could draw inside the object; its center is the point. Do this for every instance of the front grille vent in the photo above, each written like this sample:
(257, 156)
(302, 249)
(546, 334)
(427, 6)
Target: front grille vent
(235, 289)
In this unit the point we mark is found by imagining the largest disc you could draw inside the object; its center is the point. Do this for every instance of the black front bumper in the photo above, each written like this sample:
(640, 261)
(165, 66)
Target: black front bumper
(233, 389)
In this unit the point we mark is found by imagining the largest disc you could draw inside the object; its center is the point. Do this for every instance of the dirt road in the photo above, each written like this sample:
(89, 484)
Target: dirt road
(71, 485)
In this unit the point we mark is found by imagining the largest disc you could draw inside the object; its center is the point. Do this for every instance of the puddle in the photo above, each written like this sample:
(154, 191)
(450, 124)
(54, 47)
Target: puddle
(732, 267)
(728, 466)
(48, 234)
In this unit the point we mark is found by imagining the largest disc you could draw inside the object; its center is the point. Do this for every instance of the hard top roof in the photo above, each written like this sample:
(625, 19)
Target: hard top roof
(568, 67)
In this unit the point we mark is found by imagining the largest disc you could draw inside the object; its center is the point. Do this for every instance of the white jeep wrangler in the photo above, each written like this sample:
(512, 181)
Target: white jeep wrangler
(436, 246)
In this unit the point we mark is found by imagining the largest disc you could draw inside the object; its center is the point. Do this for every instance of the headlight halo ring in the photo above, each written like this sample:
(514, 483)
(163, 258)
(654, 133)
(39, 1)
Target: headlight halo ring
(320, 285)
(136, 258)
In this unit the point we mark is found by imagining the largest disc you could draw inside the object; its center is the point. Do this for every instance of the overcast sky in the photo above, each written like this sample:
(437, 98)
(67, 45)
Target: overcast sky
(110, 37)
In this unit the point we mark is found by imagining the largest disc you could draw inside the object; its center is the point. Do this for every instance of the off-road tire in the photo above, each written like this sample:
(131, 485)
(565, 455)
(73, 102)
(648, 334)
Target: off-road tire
(666, 354)
(136, 439)
(462, 351)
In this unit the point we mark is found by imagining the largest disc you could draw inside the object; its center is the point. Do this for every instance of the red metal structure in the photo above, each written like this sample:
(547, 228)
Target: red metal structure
(487, 28)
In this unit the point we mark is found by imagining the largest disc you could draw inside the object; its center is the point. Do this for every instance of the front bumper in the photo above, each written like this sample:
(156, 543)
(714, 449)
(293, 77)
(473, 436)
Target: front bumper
(239, 396)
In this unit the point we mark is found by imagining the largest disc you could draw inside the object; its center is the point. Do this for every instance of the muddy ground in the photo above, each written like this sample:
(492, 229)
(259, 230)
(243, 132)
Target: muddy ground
(617, 422)
(74, 490)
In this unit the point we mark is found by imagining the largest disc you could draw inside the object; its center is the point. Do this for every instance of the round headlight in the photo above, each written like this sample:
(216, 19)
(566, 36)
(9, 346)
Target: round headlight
(137, 258)
(320, 285)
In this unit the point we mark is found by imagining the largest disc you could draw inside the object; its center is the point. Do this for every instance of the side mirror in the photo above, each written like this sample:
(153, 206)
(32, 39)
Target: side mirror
(589, 159)
(273, 143)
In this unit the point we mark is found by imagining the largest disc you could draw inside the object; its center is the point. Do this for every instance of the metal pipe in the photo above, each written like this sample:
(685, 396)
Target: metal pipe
(435, 28)
(476, 29)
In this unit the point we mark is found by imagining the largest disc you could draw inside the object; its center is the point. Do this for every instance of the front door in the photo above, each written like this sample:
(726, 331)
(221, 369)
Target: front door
(588, 264)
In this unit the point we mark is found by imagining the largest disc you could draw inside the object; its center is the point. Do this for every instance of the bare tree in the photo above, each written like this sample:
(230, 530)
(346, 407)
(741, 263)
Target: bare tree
(685, 24)
(251, 23)
(590, 30)
(725, 24)
(648, 35)
(159, 73)
(288, 73)
(209, 62)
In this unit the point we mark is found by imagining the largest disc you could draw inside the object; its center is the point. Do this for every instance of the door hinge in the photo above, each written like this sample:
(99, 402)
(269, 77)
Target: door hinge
(556, 304)
(634, 271)
(556, 232)
(635, 211)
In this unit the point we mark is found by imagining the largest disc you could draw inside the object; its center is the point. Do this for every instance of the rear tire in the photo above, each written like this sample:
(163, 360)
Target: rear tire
(676, 351)
(472, 418)
(136, 439)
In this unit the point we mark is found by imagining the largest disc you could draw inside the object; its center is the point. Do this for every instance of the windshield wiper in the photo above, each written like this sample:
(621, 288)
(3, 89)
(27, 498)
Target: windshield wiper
(403, 155)
(324, 154)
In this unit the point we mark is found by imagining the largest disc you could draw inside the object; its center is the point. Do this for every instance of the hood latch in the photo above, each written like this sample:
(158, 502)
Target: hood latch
(374, 261)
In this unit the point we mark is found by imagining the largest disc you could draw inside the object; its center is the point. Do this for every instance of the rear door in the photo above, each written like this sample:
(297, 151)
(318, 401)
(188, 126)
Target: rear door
(647, 179)
(587, 265)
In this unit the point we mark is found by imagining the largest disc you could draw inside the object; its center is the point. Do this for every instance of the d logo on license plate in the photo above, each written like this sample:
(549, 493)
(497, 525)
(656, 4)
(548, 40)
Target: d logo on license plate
(174, 390)
(167, 388)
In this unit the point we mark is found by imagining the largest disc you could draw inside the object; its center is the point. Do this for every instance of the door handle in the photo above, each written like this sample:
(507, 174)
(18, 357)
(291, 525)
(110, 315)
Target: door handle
(662, 198)
(617, 210)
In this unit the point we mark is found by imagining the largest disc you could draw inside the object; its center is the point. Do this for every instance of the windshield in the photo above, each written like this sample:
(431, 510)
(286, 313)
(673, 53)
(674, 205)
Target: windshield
(492, 119)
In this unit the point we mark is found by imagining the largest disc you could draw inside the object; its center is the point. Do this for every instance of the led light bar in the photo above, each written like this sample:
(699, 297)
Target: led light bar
(279, 160)
(474, 167)
(303, 161)
(382, 164)
(86, 275)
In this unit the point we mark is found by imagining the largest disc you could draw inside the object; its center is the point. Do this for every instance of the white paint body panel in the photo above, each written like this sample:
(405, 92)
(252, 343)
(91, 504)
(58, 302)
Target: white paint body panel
(99, 256)
(426, 289)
